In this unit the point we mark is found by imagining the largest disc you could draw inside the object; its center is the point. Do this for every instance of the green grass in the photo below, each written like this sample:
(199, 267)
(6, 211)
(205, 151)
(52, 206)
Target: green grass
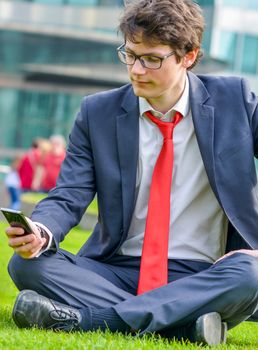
(34, 198)
(243, 337)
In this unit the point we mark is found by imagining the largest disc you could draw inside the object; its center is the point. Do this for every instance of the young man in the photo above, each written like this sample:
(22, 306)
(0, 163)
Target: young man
(177, 256)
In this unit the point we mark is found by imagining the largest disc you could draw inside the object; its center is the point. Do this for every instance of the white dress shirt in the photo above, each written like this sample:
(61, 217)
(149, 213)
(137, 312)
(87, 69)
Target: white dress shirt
(198, 226)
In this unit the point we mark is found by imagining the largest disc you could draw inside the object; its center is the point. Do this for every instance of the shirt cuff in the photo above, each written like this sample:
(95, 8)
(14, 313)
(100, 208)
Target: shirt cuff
(45, 232)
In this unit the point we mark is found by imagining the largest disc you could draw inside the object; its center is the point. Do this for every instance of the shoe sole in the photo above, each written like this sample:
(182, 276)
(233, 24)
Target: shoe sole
(224, 329)
(209, 329)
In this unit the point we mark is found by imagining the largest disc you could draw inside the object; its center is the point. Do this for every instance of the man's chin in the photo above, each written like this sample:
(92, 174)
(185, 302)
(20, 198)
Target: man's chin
(140, 92)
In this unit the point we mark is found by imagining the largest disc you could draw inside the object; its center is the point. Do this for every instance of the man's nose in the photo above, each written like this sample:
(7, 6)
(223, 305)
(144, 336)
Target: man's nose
(137, 67)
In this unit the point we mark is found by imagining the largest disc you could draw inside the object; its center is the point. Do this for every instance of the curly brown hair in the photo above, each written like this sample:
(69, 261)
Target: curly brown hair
(177, 23)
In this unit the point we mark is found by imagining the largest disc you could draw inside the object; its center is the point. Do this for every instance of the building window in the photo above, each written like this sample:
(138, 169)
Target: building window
(50, 2)
(253, 5)
(234, 3)
(205, 3)
(250, 55)
(226, 48)
(83, 2)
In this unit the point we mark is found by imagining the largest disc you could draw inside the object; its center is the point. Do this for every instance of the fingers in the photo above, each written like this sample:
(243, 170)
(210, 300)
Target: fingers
(18, 231)
(20, 240)
(28, 250)
(25, 245)
(14, 231)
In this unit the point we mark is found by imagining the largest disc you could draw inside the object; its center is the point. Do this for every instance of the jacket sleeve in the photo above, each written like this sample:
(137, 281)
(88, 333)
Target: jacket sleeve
(67, 202)
(251, 105)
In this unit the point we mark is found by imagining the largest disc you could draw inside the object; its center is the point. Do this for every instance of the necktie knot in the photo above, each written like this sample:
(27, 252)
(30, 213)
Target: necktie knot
(166, 128)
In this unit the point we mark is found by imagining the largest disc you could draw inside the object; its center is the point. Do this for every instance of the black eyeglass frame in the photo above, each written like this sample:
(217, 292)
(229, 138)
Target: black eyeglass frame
(138, 57)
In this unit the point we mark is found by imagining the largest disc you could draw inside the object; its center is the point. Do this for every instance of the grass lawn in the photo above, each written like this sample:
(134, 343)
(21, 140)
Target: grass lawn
(244, 337)
(33, 197)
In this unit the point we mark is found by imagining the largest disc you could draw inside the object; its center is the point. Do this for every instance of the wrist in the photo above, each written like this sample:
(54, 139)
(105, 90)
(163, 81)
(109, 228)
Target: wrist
(43, 234)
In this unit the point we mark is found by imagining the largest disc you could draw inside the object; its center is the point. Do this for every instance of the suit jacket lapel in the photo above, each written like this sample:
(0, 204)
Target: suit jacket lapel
(128, 140)
(128, 149)
(203, 119)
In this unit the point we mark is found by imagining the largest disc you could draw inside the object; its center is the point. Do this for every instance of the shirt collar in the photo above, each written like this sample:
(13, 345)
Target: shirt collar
(182, 105)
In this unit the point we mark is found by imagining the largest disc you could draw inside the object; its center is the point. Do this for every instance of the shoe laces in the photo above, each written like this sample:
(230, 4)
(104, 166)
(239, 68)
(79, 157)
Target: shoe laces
(66, 320)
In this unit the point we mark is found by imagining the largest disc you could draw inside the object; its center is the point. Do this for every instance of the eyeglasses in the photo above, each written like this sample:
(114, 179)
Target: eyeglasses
(147, 61)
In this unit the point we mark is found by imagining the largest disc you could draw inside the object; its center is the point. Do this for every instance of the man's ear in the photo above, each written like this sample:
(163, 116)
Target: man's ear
(190, 58)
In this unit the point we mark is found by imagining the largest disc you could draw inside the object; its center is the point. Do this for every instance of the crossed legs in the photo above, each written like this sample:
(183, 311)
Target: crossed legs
(229, 287)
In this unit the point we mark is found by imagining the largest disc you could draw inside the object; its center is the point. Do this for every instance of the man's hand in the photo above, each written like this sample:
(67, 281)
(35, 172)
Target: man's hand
(244, 251)
(27, 246)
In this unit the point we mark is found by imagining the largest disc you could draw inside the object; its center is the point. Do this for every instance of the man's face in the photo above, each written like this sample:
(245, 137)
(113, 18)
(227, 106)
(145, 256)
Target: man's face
(161, 87)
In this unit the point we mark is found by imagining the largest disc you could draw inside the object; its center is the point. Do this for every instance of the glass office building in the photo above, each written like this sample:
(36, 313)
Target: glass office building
(233, 33)
(53, 52)
(232, 37)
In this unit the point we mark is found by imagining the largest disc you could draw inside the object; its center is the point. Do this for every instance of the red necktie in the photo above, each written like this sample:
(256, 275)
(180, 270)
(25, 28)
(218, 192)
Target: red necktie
(154, 260)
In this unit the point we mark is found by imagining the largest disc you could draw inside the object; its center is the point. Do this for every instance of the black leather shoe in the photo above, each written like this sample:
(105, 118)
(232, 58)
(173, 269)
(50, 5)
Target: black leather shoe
(34, 310)
(209, 330)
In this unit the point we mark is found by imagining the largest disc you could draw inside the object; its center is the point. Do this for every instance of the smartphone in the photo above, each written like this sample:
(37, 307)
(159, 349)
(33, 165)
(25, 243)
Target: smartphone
(17, 219)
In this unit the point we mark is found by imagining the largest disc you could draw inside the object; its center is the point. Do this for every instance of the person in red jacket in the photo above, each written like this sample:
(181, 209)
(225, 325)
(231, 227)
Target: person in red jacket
(52, 162)
(28, 165)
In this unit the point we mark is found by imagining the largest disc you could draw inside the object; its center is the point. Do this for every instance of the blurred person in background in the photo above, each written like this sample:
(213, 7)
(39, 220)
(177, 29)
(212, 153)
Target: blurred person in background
(52, 162)
(13, 184)
(44, 148)
(28, 165)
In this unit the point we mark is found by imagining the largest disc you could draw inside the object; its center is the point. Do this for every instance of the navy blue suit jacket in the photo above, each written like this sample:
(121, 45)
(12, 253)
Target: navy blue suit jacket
(103, 152)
